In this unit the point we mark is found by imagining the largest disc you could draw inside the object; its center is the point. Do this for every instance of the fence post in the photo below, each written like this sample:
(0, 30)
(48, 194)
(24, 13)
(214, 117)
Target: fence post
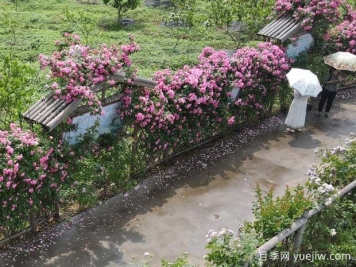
(134, 149)
(166, 153)
(298, 239)
(57, 215)
(33, 222)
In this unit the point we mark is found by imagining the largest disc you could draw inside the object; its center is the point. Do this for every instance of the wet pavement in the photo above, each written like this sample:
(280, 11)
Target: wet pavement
(172, 211)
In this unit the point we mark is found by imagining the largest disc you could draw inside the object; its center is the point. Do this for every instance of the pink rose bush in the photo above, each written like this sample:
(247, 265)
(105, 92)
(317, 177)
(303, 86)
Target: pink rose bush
(195, 102)
(185, 105)
(336, 21)
(342, 37)
(30, 177)
(309, 9)
(259, 73)
(75, 69)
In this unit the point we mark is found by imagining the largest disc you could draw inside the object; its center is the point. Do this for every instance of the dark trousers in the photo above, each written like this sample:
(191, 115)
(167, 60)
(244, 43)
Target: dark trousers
(326, 96)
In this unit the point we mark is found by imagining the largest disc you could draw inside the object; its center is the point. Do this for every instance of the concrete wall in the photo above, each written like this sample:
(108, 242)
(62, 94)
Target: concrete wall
(304, 42)
(108, 123)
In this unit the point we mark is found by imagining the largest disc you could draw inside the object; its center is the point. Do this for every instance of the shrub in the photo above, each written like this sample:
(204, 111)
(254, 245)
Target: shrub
(342, 36)
(102, 169)
(75, 69)
(259, 73)
(274, 215)
(227, 248)
(122, 6)
(32, 174)
(308, 10)
(16, 89)
(201, 96)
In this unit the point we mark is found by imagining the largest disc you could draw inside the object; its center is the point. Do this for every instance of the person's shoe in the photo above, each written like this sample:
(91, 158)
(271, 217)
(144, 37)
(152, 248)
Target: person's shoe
(318, 114)
(290, 130)
(326, 114)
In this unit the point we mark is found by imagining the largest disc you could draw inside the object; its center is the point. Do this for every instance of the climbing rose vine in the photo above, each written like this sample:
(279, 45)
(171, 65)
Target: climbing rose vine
(342, 37)
(30, 176)
(182, 103)
(75, 68)
(194, 102)
(309, 9)
(259, 73)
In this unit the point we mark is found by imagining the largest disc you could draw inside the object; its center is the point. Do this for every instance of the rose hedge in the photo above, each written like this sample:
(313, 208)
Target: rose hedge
(31, 176)
(75, 68)
(309, 9)
(342, 37)
(195, 102)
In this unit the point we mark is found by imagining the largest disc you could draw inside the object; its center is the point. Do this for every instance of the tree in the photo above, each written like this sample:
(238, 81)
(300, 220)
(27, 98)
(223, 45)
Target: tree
(16, 89)
(123, 6)
(239, 19)
(182, 19)
(83, 22)
(17, 79)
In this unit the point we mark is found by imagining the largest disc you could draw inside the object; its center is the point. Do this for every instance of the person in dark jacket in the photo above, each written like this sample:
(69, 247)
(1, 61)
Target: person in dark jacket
(330, 86)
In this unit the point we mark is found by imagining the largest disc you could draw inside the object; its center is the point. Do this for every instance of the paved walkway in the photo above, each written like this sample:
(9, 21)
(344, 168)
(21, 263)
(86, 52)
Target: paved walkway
(171, 212)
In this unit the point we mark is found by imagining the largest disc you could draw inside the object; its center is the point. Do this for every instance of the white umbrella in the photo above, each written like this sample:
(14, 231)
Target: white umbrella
(304, 81)
(341, 61)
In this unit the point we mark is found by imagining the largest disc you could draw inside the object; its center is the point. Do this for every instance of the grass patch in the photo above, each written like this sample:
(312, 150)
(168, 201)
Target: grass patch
(36, 24)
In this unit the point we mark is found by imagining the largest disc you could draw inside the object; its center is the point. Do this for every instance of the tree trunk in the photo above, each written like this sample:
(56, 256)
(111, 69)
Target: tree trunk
(119, 9)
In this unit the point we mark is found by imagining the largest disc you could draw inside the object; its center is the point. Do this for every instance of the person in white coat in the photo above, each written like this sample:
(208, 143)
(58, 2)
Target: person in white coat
(297, 111)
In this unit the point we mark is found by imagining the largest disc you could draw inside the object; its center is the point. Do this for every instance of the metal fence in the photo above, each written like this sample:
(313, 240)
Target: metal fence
(298, 228)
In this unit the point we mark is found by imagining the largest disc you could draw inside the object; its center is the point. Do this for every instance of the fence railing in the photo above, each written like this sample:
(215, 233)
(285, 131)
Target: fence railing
(298, 227)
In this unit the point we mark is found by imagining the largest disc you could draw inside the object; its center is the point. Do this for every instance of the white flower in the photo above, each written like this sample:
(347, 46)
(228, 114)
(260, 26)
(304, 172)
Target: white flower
(329, 188)
(349, 141)
(328, 201)
(71, 51)
(321, 189)
(338, 149)
(225, 231)
(316, 150)
(214, 234)
(84, 190)
(211, 234)
(332, 232)
(75, 50)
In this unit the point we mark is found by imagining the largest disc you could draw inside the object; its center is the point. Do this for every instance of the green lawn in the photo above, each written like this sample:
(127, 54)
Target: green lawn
(36, 24)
